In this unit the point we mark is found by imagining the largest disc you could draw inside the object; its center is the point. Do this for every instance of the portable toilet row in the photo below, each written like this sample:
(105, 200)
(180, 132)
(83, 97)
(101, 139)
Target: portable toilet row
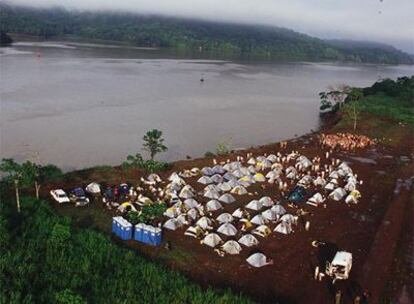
(122, 228)
(148, 234)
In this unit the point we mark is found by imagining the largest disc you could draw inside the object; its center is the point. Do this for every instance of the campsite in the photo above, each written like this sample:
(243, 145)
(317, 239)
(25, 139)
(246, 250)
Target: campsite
(351, 227)
(206, 152)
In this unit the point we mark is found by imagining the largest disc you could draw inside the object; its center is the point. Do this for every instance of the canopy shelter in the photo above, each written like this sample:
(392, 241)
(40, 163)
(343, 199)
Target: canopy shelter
(248, 240)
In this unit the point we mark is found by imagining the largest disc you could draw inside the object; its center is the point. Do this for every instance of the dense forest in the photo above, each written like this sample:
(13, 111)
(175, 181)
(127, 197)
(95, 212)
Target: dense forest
(219, 39)
(45, 259)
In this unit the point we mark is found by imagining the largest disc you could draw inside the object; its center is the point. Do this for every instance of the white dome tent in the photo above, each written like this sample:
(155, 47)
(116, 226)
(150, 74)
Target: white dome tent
(213, 205)
(225, 218)
(284, 228)
(172, 224)
(227, 198)
(248, 240)
(205, 180)
(212, 240)
(258, 260)
(231, 247)
(254, 205)
(227, 229)
(337, 194)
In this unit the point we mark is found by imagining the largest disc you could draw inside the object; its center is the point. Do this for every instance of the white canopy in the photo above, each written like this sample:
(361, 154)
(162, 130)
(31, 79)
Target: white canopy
(205, 180)
(204, 223)
(227, 229)
(93, 188)
(172, 224)
(213, 205)
(257, 260)
(248, 240)
(212, 240)
(266, 201)
(337, 194)
(258, 220)
(254, 205)
(212, 194)
(231, 247)
(225, 218)
(227, 198)
(240, 190)
(284, 228)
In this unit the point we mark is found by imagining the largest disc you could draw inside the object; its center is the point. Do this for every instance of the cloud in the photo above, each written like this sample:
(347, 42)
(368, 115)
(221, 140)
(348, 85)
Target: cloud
(375, 20)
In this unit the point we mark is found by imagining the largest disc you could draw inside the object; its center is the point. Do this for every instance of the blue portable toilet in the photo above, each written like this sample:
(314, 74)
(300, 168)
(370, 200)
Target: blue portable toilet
(127, 231)
(155, 236)
(116, 226)
(146, 234)
(139, 232)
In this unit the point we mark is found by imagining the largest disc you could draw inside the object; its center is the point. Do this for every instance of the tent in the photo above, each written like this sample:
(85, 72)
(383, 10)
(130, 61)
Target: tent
(192, 213)
(353, 197)
(284, 228)
(316, 200)
(350, 186)
(217, 169)
(319, 181)
(195, 232)
(207, 171)
(266, 201)
(277, 167)
(254, 205)
(224, 218)
(259, 177)
(238, 173)
(248, 240)
(93, 188)
(172, 224)
(306, 180)
(172, 212)
(270, 215)
(190, 203)
(289, 218)
(227, 198)
(228, 176)
(278, 209)
(153, 177)
(186, 193)
(227, 229)
(182, 219)
(272, 175)
(213, 205)
(334, 174)
(258, 260)
(224, 187)
(186, 174)
(231, 247)
(205, 180)
(217, 178)
(258, 220)
(204, 223)
(251, 161)
(176, 179)
(240, 190)
(212, 240)
(212, 194)
(238, 213)
(272, 158)
(212, 187)
(337, 194)
(233, 183)
(262, 231)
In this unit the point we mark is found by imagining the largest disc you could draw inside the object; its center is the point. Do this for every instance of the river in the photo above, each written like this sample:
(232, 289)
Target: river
(81, 105)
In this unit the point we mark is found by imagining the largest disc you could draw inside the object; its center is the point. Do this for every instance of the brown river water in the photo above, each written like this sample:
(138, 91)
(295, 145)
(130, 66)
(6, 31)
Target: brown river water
(81, 105)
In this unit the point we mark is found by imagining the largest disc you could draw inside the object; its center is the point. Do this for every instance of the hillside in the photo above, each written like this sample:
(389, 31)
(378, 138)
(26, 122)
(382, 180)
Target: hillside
(217, 39)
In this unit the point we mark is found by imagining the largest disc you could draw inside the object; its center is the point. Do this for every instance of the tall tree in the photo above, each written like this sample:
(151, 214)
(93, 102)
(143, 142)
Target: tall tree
(353, 106)
(14, 175)
(154, 143)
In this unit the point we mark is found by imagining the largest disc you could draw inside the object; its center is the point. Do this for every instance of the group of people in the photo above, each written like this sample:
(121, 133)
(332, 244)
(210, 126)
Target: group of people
(345, 141)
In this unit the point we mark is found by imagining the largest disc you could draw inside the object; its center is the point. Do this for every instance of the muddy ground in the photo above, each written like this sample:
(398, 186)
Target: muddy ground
(375, 230)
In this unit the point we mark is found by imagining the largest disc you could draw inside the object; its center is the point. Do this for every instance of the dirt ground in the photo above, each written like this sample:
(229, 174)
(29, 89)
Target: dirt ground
(370, 230)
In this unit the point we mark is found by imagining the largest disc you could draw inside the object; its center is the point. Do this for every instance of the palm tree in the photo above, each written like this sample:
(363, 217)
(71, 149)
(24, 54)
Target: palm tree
(154, 143)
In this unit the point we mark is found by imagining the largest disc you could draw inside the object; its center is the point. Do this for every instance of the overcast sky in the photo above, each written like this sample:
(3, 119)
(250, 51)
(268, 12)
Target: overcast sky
(389, 21)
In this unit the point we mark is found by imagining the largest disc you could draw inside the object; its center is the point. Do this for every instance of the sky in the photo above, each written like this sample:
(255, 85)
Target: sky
(387, 21)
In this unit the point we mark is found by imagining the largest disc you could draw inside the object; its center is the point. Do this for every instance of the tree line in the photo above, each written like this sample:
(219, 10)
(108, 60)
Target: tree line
(200, 37)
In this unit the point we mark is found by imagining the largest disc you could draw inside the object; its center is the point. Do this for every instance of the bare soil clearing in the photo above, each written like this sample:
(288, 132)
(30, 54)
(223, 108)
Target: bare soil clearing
(370, 230)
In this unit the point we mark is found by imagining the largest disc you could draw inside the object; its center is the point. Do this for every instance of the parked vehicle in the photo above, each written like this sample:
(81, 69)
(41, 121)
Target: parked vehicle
(78, 197)
(60, 196)
(338, 268)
